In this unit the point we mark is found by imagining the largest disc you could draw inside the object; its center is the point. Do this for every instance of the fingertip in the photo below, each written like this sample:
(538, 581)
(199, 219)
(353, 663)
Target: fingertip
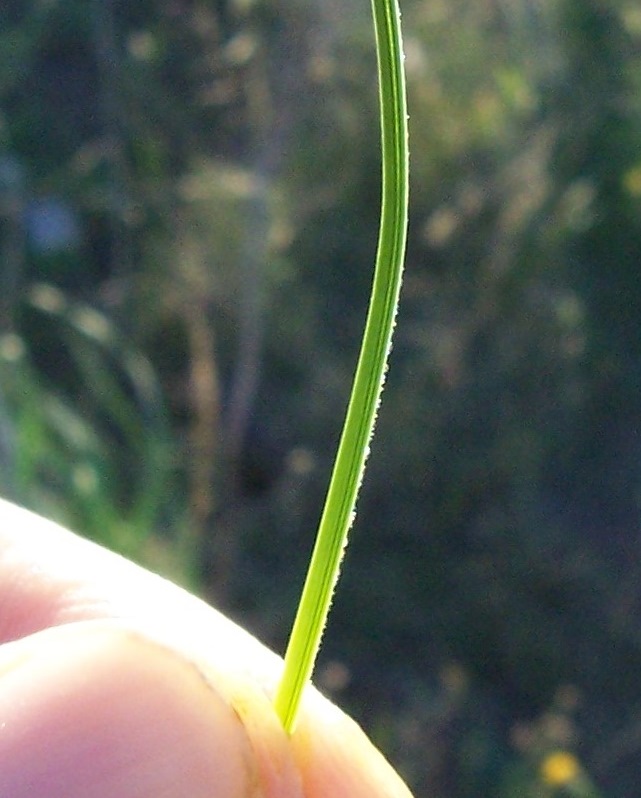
(98, 712)
(336, 758)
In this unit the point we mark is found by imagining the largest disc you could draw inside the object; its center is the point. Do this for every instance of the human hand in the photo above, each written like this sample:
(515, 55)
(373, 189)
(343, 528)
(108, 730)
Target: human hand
(117, 684)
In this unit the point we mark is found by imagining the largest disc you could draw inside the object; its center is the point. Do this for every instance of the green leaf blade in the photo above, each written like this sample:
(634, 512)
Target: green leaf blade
(361, 413)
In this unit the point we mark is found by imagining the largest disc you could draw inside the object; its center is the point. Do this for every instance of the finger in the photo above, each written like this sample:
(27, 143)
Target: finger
(335, 757)
(48, 576)
(96, 712)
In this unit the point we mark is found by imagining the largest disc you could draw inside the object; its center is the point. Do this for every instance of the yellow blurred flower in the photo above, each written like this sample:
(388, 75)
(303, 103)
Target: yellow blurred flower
(632, 181)
(559, 768)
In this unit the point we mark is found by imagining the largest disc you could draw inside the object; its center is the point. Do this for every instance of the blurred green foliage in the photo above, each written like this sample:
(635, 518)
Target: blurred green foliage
(188, 211)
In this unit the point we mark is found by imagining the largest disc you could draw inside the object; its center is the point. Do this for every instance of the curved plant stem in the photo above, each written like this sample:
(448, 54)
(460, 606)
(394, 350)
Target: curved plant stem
(370, 371)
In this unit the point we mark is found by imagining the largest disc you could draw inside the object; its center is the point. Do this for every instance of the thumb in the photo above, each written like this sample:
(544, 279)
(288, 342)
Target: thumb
(93, 711)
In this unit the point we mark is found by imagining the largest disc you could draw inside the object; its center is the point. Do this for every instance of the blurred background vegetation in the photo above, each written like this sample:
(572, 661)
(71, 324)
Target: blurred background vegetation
(189, 196)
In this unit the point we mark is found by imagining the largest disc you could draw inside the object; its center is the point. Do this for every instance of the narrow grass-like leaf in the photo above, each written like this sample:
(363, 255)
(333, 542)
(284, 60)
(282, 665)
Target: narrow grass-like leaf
(370, 372)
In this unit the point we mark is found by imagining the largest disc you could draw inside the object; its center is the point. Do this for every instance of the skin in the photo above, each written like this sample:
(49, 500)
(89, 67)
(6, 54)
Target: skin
(115, 682)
